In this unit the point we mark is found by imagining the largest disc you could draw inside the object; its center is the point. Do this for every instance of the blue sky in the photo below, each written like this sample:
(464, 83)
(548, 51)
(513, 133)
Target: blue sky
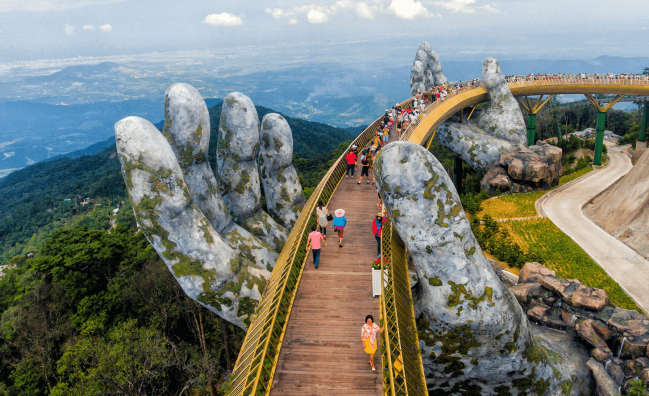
(45, 29)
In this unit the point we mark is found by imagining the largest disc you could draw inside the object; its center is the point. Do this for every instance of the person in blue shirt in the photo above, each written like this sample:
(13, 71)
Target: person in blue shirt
(339, 223)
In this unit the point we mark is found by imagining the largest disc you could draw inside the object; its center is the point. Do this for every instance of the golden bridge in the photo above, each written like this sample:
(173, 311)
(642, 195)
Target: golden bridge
(305, 335)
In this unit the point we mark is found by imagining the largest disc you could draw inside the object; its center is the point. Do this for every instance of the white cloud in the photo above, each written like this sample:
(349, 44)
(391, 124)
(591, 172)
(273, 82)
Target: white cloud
(490, 9)
(464, 6)
(364, 11)
(223, 19)
(88, 27)
(278, 13)
(105, 28)
(409, 9)
(68, 29)
(49, 5)
(317, 16)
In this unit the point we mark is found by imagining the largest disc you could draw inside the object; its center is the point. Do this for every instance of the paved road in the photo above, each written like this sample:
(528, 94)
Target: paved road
(622, 263)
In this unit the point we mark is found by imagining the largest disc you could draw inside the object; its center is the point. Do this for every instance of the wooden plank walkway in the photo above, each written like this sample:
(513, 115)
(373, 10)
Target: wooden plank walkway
(322, 352)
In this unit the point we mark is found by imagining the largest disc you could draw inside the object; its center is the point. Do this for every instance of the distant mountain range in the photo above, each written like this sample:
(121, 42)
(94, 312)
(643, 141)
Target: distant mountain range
(340, 93)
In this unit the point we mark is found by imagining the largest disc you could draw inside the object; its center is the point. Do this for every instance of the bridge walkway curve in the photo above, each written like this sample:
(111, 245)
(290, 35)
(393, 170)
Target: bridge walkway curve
(322, 352)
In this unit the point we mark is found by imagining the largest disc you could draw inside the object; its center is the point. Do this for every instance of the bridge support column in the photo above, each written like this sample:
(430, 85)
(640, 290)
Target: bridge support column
(531, 129)
(644, 121)
(532, 111)
(458, 173)
(601, 125)
(599, 138)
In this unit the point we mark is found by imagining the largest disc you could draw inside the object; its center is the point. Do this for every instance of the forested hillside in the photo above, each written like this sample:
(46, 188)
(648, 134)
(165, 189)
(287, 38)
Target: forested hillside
(32, 199)
(95, 311)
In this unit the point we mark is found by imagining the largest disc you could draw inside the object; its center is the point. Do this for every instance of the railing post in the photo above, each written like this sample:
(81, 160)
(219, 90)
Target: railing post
(599, 138)
(531, 129)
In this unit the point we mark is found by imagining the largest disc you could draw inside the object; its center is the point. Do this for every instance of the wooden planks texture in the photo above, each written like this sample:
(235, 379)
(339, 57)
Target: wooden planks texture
(322, 352)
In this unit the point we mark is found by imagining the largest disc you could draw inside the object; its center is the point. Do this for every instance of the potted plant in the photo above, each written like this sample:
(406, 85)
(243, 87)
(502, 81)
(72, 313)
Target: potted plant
(376, 277)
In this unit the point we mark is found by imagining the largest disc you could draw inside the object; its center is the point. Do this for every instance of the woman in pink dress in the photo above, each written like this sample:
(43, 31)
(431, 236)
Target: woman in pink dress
(368, 336)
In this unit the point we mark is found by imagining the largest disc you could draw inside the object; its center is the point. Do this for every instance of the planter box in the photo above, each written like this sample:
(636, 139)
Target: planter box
(376, 282)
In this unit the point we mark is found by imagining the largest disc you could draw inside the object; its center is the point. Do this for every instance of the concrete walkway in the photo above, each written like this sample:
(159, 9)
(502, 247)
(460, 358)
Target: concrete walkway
(622, 263)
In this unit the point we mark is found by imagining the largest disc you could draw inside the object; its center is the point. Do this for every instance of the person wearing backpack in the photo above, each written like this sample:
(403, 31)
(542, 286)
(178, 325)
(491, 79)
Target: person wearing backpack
(365, 169)
(377, 226)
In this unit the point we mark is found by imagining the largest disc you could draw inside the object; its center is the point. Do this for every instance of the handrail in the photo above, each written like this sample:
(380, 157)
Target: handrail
(401, 353)
(255, 367)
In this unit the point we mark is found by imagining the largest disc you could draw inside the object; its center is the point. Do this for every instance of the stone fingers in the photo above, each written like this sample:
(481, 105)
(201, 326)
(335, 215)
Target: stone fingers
(502, 118)
(426, 71)
(187, 129)
(237, 169)
(204, 264)
(459, 295)
(282, 188)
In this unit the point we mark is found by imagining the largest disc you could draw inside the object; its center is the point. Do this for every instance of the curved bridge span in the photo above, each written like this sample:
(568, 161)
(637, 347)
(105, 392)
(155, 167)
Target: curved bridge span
(437, 113)
(264, 366)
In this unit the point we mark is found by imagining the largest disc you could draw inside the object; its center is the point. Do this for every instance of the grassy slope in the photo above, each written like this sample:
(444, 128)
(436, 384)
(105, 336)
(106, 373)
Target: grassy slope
(514, 206)
(555, 249)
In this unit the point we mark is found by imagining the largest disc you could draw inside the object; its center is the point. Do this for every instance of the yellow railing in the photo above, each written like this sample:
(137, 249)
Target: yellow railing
(403, 372)
(469, 95)
(255, 368)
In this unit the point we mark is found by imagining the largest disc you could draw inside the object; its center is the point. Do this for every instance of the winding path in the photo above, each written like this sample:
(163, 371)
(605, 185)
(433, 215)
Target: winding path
(623, 264)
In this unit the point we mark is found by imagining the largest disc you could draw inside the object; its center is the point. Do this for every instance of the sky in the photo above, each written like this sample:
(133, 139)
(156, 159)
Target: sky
(457, 29)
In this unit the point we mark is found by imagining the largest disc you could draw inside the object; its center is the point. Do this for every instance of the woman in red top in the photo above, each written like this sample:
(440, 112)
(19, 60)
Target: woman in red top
(351, 163)
(377, 226)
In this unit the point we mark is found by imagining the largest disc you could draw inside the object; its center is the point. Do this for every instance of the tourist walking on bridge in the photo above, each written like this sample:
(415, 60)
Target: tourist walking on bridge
(323, 218)
(351, 163)
(368, 336)
(339, 223)
(377, 226)
(315, 238)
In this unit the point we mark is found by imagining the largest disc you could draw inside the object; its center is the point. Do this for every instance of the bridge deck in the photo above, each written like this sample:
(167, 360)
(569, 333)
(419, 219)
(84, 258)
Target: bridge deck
(322, 353)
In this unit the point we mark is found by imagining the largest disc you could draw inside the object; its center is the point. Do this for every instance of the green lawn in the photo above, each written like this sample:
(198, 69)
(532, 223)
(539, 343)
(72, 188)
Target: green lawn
(568, 178)
(560, 253)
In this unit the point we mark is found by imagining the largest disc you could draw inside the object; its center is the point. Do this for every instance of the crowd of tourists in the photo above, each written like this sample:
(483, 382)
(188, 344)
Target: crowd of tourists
(577, 77)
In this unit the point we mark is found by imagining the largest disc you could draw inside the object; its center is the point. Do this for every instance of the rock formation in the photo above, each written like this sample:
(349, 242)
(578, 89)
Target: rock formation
(281, 185)
(622, 209)
(497, 139)
(426, 70)
(616, 338)
(473, 333)
(214, 236)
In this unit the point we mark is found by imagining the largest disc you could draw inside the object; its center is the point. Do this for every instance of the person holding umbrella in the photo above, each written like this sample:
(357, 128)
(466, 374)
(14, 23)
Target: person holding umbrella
(339, 223)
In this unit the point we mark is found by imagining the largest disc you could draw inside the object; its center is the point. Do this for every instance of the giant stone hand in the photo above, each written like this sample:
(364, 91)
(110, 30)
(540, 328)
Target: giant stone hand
(494, 144)
(213, 235)
(474, 336)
